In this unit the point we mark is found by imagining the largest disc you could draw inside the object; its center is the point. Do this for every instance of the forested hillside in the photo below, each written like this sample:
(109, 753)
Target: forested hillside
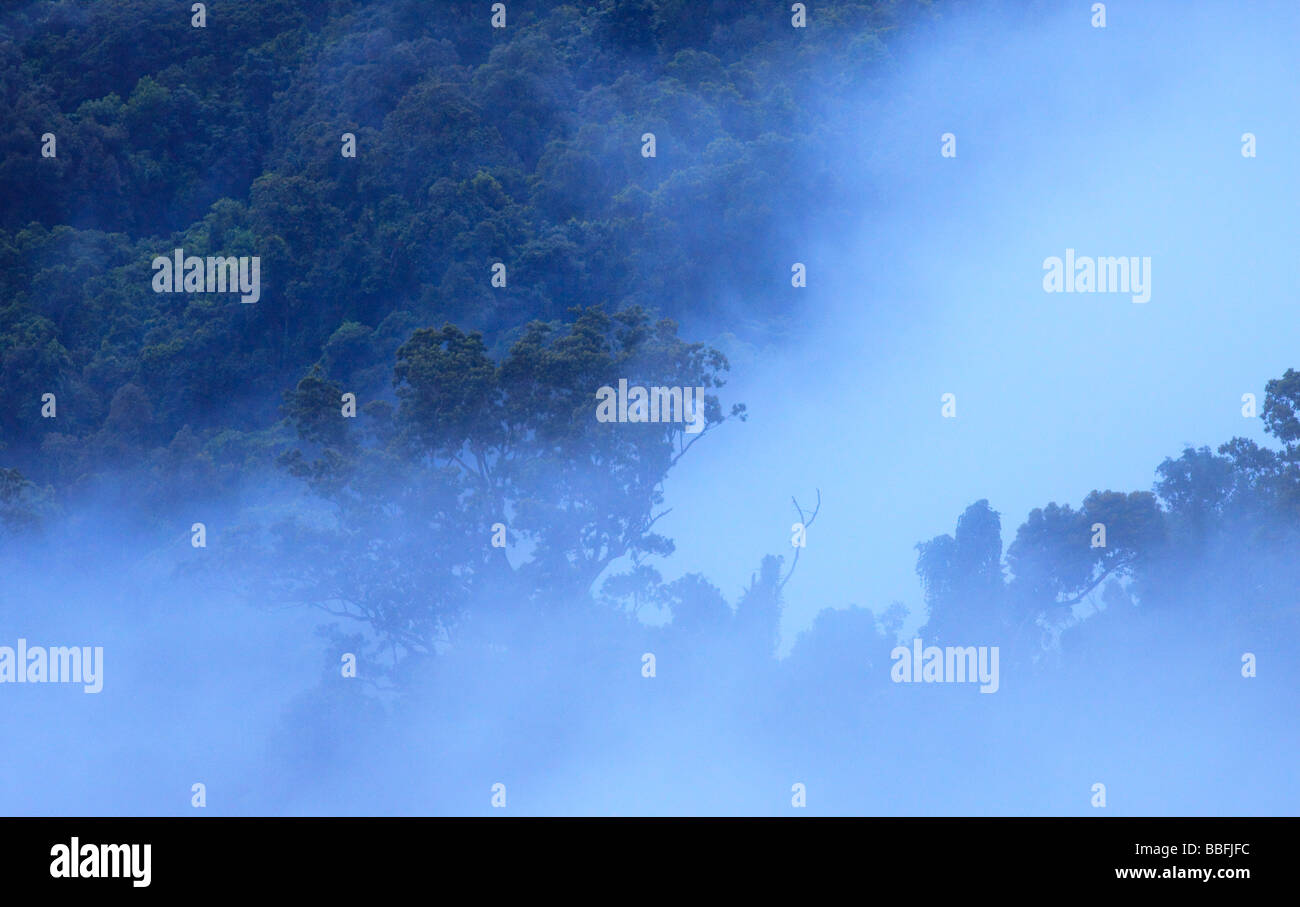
(474, 146)
(466, 234)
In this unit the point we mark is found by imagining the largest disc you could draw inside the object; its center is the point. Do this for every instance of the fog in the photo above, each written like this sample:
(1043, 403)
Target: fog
(1123, 141)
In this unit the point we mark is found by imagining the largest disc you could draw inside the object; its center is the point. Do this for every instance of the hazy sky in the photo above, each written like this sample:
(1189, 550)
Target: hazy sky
(1123, 141)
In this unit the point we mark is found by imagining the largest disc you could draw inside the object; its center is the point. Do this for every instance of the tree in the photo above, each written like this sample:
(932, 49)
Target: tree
(475, 448)
(1195, 487)
(21, 502)
(1056, 559)
(1282, 408)
(962, 576)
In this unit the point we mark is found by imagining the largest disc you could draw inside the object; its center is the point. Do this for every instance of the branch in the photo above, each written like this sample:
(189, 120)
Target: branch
(806, 523)
(687, 446)
(647, 526)
(1119, 565)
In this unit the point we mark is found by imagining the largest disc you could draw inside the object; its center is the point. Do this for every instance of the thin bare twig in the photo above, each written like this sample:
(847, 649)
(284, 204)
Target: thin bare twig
(805, 523)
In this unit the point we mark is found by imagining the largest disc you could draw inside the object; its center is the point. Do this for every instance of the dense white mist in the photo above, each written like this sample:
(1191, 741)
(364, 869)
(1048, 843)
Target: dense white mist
(1115, 141)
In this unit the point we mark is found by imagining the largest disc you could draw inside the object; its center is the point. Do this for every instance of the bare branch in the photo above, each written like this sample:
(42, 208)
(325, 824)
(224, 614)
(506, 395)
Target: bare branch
(806, 523)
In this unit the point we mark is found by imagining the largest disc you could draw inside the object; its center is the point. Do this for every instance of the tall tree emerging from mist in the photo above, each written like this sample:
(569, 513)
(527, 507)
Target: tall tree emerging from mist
(475, 449)
(962, 575)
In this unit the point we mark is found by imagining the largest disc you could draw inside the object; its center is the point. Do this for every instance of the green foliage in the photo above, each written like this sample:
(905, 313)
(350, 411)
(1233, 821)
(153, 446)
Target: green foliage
(475, 145)
(415, 490)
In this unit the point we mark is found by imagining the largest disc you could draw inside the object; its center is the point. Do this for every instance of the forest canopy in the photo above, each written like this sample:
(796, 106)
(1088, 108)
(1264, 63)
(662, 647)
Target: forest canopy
(478, 153)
